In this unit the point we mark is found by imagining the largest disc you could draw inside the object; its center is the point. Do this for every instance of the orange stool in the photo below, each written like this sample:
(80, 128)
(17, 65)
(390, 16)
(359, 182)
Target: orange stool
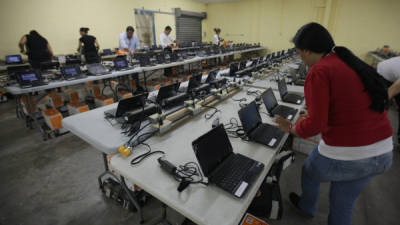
(52, 118)
(103, 100)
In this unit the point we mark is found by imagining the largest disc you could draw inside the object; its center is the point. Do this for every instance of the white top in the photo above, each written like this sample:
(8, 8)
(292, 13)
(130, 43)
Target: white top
(132, 44)
(216, 39)
(165, 40)
(356, 153)
(390, 69)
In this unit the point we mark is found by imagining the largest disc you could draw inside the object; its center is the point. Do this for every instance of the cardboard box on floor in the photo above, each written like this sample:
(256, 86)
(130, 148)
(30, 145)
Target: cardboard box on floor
(252, 220)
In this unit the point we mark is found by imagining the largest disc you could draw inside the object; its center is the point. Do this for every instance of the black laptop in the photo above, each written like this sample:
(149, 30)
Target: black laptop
(13, 59)
(274, 108)
(96, 69)
(120, 63)
(168, 95)
(257, 131)
(127, 105)
(195, 84)
(287, 96)
(29, 78)
(72, 72)
(233, 172)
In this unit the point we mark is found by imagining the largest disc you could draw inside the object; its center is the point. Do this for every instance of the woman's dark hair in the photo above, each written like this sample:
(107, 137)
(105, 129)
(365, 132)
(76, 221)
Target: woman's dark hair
(130, 28)
(34, 33)
(217, 30)
(168, 28)
(84, 29)
(314, 37)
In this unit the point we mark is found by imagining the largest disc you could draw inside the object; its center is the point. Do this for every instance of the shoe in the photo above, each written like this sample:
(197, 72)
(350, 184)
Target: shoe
(295, 200)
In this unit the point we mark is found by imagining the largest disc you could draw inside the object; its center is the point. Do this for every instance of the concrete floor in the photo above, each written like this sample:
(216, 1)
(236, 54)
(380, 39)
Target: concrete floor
(55, 182)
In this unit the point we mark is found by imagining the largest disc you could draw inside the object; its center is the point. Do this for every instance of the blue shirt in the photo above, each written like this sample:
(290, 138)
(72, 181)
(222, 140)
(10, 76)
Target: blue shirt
(131, 44)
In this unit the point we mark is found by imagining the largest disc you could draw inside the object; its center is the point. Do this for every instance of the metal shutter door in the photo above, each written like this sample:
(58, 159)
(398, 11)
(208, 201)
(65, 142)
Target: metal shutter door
(188, 29)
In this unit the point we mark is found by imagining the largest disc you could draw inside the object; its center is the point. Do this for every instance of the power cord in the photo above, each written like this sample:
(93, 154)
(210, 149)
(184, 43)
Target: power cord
(207, 115)
(140, 158)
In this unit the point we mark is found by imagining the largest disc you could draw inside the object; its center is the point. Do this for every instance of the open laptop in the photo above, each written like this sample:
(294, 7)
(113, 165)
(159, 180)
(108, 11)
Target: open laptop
(127, 105)
(195, 84)
(287, 96)
(96, 69)
(72, 72)
(120, 63)
(274, 108)
(257, 131)
(30, 78)
(13, 59)
(233, 172)
(168, 95)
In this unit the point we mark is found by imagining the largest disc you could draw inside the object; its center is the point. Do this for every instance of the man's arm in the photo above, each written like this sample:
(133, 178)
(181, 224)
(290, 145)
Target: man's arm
(123, 45)
(50, 50)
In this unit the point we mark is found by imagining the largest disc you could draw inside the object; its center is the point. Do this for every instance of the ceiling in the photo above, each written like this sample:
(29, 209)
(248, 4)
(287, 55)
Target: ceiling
(215, 1)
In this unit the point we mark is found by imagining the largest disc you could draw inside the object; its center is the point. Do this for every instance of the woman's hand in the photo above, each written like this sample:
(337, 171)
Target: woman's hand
(283, 123)
(303, 113)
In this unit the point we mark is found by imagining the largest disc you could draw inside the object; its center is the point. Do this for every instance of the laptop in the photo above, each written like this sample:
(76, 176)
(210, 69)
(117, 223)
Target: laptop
(30, 78)
(232, 172)
(72, 72)
(96, 69)
(120, 63)
(274, 108)
(287, 96)
(195, 84)
(13, 59)
(127, 105)
(107, 51)
(257, 131)
(168, 95)
(212, 74)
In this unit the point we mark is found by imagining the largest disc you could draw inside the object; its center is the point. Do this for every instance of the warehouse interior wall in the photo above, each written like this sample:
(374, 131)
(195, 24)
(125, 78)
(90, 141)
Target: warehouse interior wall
(59, 21)
(360, 25)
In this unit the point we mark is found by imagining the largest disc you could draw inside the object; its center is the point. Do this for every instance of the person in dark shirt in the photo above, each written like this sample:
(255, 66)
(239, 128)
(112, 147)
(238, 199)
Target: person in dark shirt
(88, 46)
(37, 48)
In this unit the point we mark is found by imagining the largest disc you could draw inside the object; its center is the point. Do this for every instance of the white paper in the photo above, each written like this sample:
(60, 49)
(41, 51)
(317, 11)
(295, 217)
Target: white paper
(241, 189)
(272, 142)
(290, 117)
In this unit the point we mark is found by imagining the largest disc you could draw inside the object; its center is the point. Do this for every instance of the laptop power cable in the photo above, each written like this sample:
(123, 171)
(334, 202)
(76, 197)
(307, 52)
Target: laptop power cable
(186, 174)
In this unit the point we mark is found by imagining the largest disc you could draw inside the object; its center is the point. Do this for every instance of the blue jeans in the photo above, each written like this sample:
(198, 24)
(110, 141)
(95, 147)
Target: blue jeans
(348, 179)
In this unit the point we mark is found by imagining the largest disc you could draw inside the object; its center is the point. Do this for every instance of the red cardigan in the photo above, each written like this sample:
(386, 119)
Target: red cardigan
(338, 107)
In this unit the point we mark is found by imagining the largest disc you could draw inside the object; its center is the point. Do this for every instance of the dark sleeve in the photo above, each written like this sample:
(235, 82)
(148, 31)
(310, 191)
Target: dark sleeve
(81, 39)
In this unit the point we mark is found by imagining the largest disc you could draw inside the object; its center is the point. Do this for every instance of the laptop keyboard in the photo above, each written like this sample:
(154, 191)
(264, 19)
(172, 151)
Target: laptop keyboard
(264, 133)
(233, 172)
(292, 98)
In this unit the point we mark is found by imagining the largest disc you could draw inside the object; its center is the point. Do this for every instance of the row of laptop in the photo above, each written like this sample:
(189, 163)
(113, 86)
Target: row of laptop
(233, 172)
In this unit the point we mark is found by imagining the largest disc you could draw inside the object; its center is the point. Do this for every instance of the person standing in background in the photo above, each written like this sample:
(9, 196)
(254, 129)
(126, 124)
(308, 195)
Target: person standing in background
(165, 38)
(88, 46)
(217, 38)
(38, 48)
(128, 41)
(390, 70)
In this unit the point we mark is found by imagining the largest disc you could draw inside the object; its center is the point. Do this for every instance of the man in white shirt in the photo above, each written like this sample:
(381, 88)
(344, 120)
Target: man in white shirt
(129, 41)
(390, 70)
(165, 39)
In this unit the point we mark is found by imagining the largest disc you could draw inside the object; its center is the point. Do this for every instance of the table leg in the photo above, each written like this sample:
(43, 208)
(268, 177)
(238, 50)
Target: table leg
(31, 114)
(132, 198)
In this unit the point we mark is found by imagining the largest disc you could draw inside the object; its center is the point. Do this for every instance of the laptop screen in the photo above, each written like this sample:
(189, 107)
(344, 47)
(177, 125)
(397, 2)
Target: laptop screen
(211, 149)
(10, 59)
(107, 51)
(120, 63)
(130, 104)
(249, 117)
(282, 87)
(29, 77)
(194, 82)
(166, 92)
(269, 100)
(71, 71)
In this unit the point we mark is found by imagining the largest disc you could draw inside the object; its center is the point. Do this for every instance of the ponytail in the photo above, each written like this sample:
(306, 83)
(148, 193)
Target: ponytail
(314, 37)
(373, 82)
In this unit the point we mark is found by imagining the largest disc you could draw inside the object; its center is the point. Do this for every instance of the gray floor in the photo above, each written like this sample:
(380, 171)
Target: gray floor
(55, 182)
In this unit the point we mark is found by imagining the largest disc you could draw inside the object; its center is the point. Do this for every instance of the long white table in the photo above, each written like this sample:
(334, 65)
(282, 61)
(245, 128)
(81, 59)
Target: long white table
(16, 90)
(205, 205)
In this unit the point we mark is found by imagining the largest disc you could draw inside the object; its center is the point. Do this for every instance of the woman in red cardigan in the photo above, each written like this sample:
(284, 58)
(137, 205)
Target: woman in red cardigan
(346, 103)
